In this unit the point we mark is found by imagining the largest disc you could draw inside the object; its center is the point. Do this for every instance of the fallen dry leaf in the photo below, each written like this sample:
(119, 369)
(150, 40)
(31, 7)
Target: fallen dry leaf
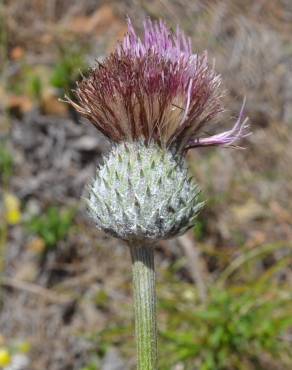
(36, 245)
(52, 106)
(17, 53)
(21, 103)
(248, 211)
(101, 20)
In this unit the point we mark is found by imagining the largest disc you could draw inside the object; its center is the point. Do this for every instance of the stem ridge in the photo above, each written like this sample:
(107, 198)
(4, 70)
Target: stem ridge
(145, 305)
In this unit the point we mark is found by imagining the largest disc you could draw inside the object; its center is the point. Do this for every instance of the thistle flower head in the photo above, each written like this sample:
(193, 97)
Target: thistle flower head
(152, 97)
(155, 89)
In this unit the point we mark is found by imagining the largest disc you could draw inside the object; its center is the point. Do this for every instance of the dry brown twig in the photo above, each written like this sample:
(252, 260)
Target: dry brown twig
(194, 264)
(45, 293)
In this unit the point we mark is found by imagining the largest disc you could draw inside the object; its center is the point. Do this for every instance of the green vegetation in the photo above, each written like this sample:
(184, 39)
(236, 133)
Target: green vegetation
(28, 80)
(200, 228)
(93, 365)
(233, 329)
(32, 81)
(6, 163)
(35, 86)
(71, 63)
(53, 226)
(239, 326)
(3, 39)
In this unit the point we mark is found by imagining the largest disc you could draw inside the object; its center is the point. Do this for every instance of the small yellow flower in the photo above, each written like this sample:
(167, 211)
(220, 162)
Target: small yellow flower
(24, 347)
(12, 209)
(5, 358)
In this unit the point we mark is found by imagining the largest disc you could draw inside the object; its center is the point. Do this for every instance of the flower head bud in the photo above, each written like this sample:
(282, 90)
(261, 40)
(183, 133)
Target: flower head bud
(152, 98)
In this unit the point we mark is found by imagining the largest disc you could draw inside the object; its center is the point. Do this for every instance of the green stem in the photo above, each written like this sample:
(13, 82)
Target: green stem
(145, 305)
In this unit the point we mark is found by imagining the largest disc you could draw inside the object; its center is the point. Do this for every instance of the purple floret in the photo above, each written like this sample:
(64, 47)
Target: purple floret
(155, 88)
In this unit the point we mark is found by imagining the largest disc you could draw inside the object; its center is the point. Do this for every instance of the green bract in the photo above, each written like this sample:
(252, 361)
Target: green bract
(143, 192)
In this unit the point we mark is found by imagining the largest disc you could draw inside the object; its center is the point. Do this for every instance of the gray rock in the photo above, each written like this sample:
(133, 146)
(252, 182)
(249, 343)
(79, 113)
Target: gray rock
(113, 361)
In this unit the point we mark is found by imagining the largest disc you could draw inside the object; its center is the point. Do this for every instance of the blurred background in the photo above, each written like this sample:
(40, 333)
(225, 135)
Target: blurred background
(225, 299)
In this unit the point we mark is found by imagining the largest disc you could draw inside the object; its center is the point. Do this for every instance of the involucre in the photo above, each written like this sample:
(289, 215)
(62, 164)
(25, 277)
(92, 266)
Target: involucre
(143, 193)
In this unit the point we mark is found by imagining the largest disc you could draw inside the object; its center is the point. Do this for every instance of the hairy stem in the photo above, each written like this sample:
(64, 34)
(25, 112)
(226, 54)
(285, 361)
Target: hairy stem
(145, 305)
